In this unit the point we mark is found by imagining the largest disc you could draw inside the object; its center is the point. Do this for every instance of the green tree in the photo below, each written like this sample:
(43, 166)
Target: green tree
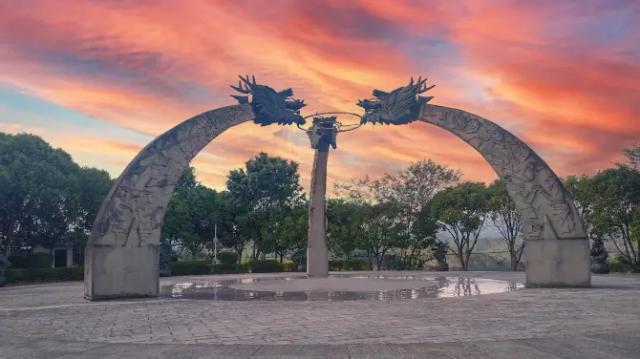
(285, 231)
(345, 225)
(177, 220)
(633, 157)
(235, 228)
(379, 232)
(579, 188)
(461, 212)
(35, 196)
(187, 181)
(204, 210)
(610, 201)
(424, 232)
(265, 184)
(407, 192)
(92, 187)
(45, 198)
(507, 220)
(192, 214)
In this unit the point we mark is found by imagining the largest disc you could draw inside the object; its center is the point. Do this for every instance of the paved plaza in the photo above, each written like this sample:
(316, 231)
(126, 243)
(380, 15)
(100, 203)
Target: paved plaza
(54, 321)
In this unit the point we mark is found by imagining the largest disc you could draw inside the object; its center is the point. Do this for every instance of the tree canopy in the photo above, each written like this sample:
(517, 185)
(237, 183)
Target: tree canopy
(507, 220)
(45, 198)
(610, 204)
(461, 211)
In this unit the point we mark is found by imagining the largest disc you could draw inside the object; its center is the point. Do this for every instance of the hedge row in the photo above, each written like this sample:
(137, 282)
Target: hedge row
(348, 265)
(206, 267)
(32, 275)
(34, 260)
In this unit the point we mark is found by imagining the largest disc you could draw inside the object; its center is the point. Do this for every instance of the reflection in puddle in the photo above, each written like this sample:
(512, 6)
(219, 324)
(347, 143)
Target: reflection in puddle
(434, 287)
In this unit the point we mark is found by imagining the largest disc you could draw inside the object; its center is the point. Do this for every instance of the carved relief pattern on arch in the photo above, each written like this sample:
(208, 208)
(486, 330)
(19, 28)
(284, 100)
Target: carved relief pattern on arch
(546, 207)
(133, 212)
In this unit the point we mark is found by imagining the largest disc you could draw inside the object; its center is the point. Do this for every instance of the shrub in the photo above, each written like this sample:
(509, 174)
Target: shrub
(35, 260)
(232, 268)
(227, 258)
(291, 267)
(30, 275)
(392, 262)
(265, 266)
(191, 268)
(617, 266)
(348, 265)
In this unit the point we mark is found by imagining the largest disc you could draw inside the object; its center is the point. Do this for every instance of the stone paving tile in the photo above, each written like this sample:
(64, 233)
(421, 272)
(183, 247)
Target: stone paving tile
(523, 321)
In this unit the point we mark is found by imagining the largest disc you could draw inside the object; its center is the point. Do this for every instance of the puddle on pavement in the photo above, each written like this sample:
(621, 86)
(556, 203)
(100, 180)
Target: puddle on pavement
(425, 287)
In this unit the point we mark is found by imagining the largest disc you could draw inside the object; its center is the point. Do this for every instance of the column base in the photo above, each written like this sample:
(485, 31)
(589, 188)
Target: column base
(558, 263)
(121, 272)
(317, 263)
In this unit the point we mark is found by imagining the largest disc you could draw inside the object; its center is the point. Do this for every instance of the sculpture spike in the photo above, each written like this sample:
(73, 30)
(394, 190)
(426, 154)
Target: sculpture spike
(240, 89)
(241, 99)
(286, 92)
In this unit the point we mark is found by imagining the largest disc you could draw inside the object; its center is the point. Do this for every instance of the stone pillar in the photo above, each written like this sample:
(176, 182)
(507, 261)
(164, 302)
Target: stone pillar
(317, 256)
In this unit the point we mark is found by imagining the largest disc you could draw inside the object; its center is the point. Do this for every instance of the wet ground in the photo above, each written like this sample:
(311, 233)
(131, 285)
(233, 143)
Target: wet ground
(337, 288)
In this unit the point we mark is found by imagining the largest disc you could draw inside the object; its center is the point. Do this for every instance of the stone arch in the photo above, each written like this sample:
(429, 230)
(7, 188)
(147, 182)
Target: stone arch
(122, 255)
(557, 249)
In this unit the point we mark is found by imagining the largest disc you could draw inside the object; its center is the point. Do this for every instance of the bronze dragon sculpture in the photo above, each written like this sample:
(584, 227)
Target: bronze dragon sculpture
(397, 107)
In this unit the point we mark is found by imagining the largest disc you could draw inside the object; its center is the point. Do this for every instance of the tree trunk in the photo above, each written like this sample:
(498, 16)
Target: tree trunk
(461, 257)
(370, 260)
(239, 250)
(462, 262)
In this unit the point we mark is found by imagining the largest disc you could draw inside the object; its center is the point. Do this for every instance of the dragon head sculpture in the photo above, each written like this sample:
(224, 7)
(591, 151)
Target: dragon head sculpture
(397, 107)
(268, 105)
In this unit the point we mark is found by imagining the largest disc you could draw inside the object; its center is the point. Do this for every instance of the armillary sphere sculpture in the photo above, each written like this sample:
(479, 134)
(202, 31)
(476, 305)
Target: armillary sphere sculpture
(121, 256)
(397, 107)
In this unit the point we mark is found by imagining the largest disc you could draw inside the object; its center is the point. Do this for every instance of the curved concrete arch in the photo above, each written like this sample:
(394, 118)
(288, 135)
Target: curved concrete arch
(122, 255)
(557, 249)
(125, 237)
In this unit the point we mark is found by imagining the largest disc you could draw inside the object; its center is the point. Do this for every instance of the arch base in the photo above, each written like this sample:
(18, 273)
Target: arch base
(558, 263)
(121, 272)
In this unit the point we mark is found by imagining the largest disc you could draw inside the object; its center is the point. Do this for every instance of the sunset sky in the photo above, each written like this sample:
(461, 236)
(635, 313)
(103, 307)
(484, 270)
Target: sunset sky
(100, 79)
